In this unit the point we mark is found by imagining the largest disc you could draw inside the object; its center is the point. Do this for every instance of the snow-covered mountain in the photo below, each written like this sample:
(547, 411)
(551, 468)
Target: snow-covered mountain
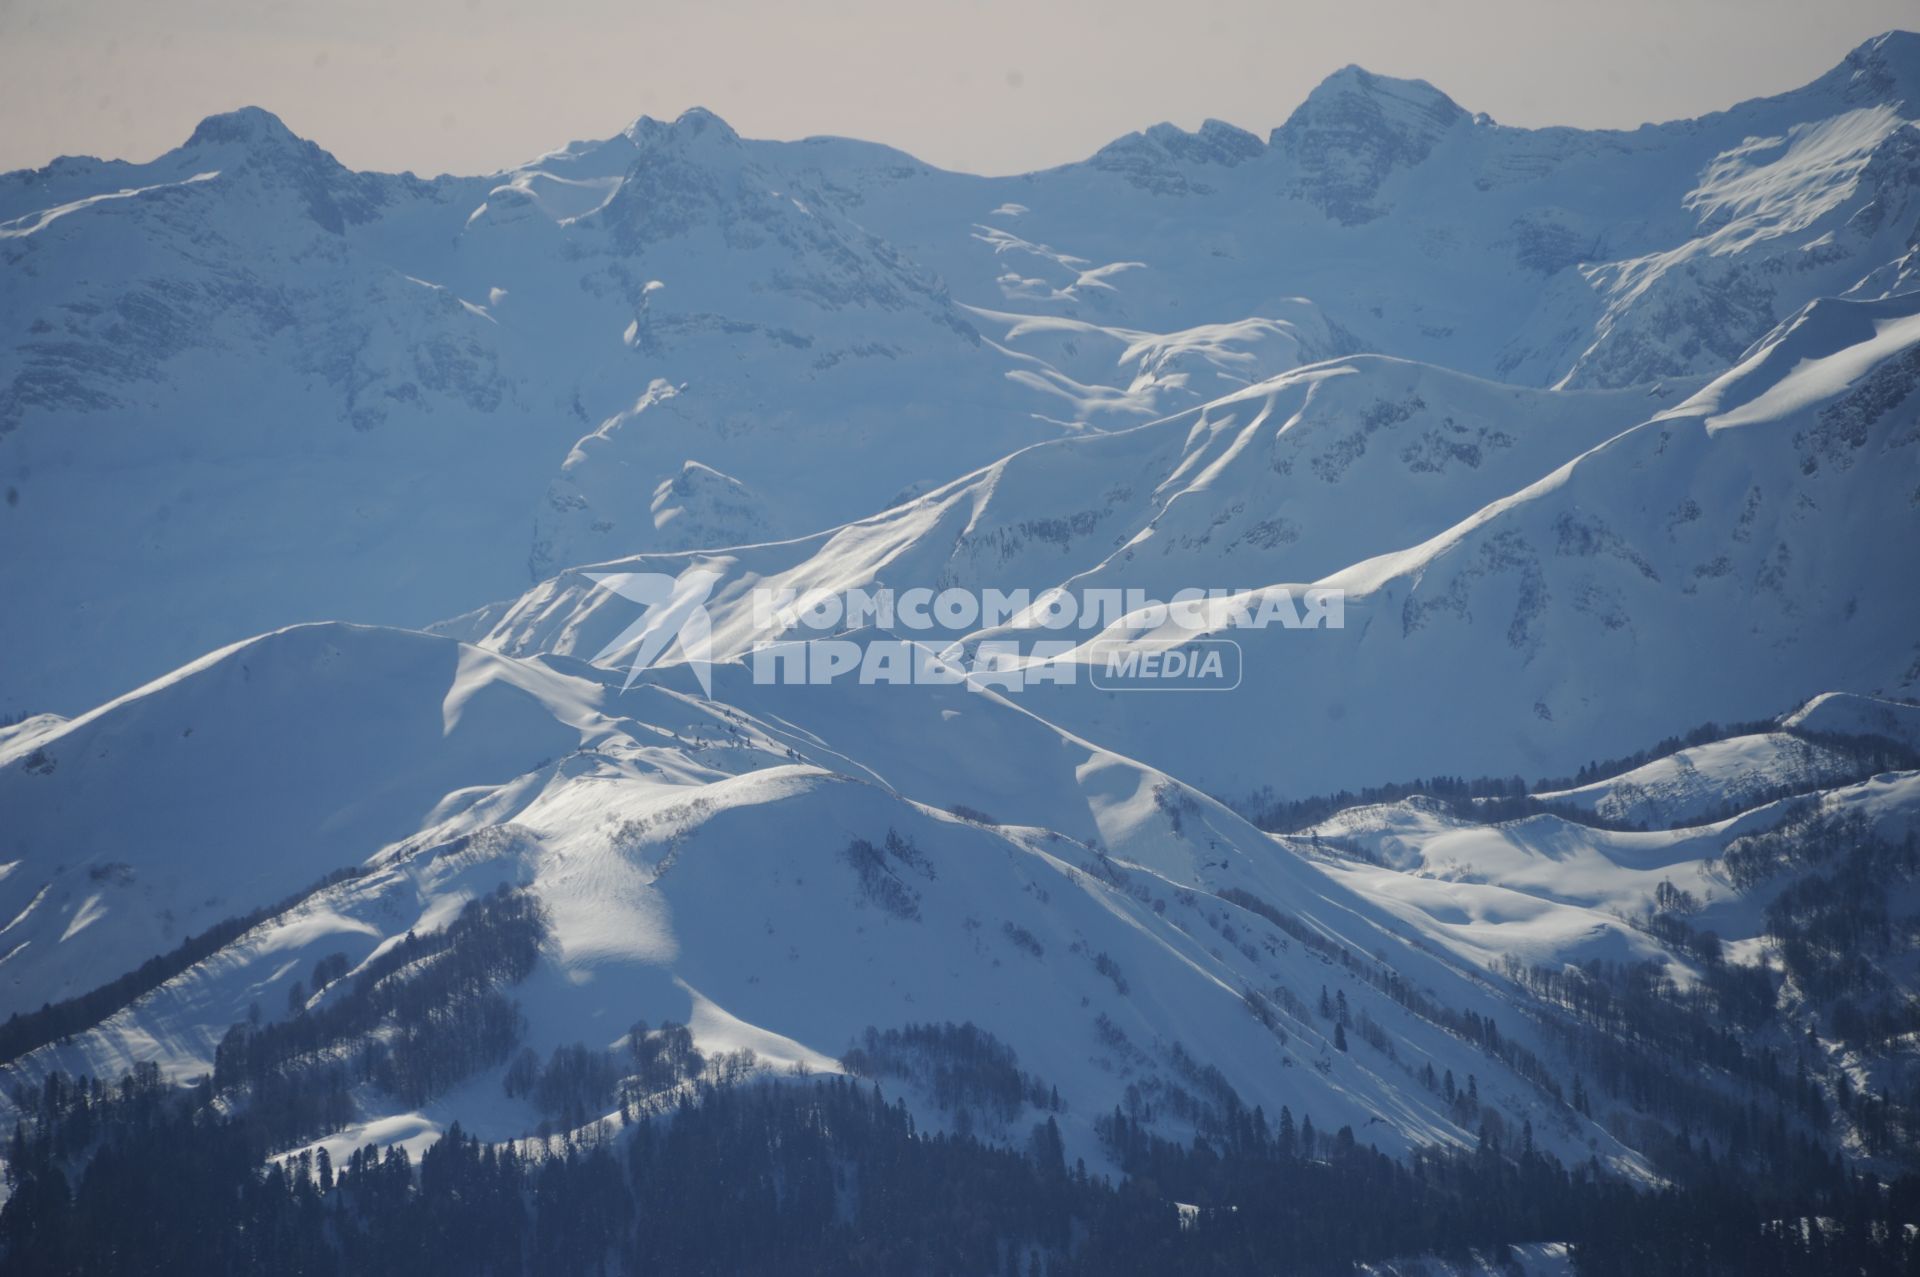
(1727, 558)
(1599, 571)
(1604, 436)
(658, 829)
(1292, 479)
(388, 399)
(780, 870)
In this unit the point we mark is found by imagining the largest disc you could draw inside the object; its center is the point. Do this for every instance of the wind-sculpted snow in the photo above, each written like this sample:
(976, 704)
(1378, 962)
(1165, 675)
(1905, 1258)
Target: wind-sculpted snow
(1690, 568)
(375, 384)
(240, 779)
(1079, 362)
(1545, 890)
(1745, 893)
(243, 387)
(781, 867)
(1704, 566)
(1782, 219)
(1645, 563)
(1693, 785)
(696, 861)
(1257, 487)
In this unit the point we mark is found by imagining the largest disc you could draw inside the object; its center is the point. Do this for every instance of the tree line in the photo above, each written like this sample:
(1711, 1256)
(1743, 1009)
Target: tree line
(829, 1177)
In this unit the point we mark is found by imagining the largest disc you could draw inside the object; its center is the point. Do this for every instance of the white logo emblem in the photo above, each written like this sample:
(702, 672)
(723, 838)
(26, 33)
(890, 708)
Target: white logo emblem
(676, 613)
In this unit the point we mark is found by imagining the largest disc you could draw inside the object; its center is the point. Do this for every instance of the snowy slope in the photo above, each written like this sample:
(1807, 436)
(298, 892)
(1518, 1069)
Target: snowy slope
(1616, 585)
(243, 386)
(1545, 893)
(1845, 714)
(1691, 784)
(693, 858)
(376, 398)
(1726, 559)
(1291, 479)
(387, 399)
(1550, 890)
(1430, 232)
(241, 779)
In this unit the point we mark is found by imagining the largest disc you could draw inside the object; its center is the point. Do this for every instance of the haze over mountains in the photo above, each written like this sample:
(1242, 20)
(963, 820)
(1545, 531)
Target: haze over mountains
(310, 473)
(310, 393)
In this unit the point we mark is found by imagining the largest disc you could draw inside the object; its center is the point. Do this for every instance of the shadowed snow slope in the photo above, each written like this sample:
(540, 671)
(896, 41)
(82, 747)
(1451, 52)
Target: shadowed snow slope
(243, 386)
(774, 880)
(1601, 584)
(1728, 558)
(247, 391)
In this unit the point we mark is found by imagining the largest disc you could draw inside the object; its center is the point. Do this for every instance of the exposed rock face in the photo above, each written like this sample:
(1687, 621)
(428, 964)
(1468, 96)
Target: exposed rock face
(1354, 132)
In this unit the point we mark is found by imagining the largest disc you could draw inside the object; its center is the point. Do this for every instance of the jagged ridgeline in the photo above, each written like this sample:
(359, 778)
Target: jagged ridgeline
(1449, 938)
(635, 344)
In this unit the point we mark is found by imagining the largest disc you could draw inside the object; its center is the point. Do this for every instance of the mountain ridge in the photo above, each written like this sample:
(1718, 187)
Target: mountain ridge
(1605, 435)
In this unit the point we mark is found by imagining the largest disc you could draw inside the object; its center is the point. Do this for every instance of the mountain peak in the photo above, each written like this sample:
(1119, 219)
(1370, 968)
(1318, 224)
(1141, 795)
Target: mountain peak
(254, 141)
(1883, 69)
(249, 126)
(1214, 142)
(1413, 103)
(1354, 130)
(696, 122)
(1157, 159)
(1889, 46)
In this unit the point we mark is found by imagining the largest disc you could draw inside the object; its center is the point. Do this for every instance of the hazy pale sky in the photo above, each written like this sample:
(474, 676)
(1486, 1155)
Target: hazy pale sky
(986, 85)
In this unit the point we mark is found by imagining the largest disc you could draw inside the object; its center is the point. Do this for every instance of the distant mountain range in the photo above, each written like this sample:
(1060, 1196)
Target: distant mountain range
(242, 385)
(1602, 802)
